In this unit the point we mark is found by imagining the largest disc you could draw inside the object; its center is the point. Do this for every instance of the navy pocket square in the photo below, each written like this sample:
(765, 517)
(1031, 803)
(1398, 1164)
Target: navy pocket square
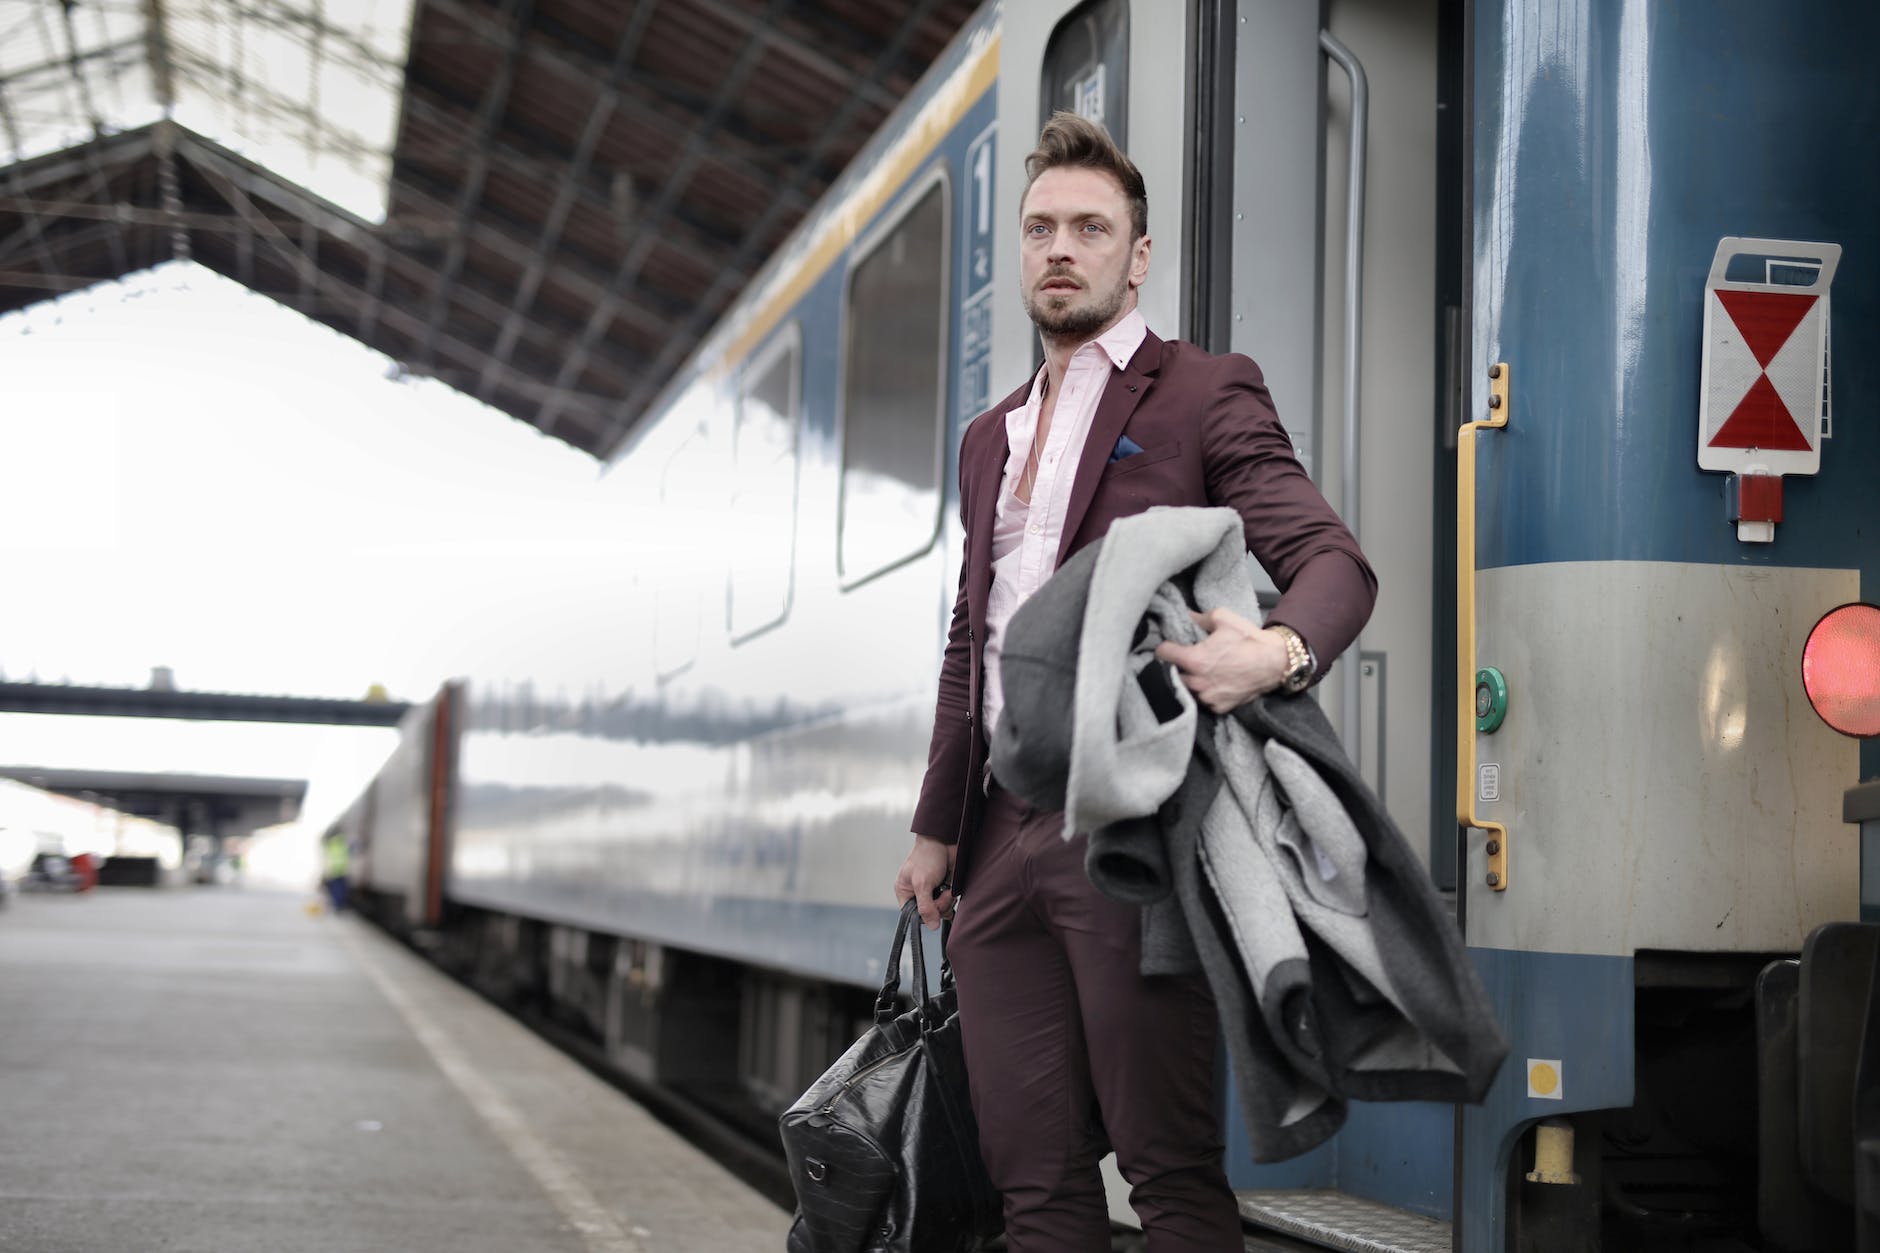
(1125, 447)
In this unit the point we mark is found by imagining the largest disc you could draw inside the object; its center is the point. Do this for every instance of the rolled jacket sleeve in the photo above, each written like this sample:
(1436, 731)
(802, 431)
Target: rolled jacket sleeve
(1327, 588)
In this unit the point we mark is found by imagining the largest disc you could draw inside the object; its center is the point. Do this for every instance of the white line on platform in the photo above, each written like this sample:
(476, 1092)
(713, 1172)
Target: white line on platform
(550, 1170)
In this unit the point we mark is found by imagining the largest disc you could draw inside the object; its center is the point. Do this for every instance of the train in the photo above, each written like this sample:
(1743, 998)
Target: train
(1520, 277)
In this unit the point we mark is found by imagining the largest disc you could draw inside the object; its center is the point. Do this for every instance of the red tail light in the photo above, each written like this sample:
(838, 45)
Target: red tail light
(1841, 669)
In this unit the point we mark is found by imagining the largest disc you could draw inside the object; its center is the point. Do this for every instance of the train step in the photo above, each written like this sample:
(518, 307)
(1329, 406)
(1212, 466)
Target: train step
(1328, 1218)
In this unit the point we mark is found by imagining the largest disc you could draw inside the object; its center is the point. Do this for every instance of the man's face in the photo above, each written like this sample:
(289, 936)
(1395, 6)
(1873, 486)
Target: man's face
(1078, 265)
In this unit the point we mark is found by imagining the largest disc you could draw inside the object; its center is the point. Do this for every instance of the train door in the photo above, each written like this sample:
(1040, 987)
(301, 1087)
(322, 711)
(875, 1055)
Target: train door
(1240, 115)
(1116, 62)
(1129, 64)
(1343, 244)
(1336, 251)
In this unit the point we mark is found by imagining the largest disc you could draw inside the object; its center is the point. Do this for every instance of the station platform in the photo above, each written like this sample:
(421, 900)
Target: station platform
(216, 1069)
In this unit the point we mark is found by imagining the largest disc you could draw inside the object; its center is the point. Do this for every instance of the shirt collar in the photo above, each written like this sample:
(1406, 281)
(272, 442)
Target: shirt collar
(1121, 341)
(1119, 344)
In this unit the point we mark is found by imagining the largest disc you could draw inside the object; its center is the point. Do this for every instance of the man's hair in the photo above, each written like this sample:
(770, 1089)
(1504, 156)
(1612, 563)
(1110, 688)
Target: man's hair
(1070, 140)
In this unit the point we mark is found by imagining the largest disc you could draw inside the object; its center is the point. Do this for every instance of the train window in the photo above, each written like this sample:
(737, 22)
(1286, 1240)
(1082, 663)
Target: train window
(1086, 67)
(894, 367)
(763, 490)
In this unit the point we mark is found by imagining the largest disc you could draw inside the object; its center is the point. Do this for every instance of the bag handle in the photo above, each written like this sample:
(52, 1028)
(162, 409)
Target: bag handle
(909, 923)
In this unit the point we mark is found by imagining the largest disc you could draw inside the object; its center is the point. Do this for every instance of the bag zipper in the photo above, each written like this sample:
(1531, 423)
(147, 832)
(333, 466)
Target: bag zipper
(829, 1105)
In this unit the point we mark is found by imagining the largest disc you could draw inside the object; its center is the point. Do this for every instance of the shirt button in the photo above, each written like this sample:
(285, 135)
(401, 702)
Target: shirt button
(1036, 529)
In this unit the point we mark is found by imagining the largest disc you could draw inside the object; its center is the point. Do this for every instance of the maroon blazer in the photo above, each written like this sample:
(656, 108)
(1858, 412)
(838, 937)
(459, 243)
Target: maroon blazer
(1209, 436)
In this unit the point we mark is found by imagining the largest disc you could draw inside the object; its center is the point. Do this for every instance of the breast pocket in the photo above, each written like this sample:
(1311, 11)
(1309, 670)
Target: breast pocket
(1154, 476)
(1138, 462)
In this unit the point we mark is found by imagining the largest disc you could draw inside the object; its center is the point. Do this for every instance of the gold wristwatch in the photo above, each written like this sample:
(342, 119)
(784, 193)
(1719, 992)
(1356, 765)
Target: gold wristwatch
(1301, 666)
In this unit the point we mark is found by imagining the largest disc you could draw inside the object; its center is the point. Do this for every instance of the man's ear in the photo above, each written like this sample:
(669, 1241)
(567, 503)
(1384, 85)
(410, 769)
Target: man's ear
(1139, 262)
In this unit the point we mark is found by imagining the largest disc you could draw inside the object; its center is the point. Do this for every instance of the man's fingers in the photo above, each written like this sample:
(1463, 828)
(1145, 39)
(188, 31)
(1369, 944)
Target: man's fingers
(1175, 654)
(1227, 617)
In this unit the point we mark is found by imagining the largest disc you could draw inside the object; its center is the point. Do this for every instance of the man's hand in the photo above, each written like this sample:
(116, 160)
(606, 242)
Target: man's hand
(1235, 663)
(929, 865)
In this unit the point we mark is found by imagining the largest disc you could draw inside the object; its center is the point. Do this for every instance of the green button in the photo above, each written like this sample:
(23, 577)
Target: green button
(1491, 699)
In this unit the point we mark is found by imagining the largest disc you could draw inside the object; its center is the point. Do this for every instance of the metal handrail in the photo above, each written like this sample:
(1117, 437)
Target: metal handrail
(1498, 399)
(1354, 310)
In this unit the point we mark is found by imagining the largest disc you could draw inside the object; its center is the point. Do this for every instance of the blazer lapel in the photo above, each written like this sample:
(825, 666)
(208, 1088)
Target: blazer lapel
(986, 472)
(1125, 391)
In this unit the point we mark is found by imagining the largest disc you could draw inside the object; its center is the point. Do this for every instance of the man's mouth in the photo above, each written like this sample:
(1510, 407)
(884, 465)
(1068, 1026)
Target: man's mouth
(1059, 285)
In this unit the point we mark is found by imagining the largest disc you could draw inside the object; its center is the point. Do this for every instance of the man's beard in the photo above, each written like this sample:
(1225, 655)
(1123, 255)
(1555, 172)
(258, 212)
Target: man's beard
(1075, 321)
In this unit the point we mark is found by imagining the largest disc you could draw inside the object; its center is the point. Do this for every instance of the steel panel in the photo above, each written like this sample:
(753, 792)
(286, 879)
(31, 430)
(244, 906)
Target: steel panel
(1663, 782)
(1615, 144)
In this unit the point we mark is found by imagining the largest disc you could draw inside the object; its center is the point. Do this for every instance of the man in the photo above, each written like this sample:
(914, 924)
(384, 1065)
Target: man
(336, 868)
(1068, 1046)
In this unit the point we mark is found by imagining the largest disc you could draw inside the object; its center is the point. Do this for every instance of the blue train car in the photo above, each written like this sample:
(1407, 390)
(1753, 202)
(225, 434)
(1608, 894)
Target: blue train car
(1417, 215)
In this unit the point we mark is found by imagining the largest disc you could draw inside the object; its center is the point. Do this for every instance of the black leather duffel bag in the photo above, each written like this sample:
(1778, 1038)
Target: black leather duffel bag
(883, 1150)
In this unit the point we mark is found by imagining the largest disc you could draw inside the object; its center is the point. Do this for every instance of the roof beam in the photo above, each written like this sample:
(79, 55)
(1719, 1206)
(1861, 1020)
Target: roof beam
(157, 52)
(107, 53)
(75, 62)
(375, 292)
(49, 280)
(333, 224)
(130, 215)
(163, 75)
(73, 162)
(567, 191)
(654, 379)
(583, 279)
(543, 161)
(653, 223)
(495, 99)
(409, 324)
(797, 50)
(543, 339)
(584, 69)
(35, 229)
(88, 153)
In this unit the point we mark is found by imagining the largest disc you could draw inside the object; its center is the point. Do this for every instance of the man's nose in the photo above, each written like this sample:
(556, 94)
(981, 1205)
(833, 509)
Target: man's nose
(1060, 249)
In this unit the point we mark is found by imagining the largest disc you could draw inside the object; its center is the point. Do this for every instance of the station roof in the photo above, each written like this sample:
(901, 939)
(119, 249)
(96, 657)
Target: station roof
(543, 203)
(229, 805)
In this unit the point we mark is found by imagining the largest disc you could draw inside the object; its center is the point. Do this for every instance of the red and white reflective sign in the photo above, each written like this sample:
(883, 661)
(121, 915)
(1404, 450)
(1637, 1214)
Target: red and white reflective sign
(1765, 356)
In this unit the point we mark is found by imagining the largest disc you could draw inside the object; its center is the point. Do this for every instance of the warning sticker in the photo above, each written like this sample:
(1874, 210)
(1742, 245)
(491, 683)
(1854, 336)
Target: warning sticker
(1762, 401)
(1544, 1079)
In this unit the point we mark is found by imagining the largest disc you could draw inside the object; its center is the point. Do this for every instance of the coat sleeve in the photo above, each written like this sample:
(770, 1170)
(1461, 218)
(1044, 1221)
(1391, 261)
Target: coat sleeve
(941, 808)
(1327, 588)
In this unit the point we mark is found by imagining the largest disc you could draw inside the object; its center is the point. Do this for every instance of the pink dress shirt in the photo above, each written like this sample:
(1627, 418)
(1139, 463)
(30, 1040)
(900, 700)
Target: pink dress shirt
(1025, 538)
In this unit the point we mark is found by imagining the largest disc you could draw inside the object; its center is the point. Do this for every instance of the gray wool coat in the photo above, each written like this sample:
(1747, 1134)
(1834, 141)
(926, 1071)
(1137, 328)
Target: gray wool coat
(1257, 851)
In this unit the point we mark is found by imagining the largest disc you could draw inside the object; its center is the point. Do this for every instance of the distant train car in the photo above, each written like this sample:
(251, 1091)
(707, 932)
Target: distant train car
(396, 828)
(1639, 820)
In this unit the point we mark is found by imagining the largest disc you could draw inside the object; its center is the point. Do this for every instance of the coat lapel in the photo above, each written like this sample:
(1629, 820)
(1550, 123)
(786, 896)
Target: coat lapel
(1125, 391)
(986, 472)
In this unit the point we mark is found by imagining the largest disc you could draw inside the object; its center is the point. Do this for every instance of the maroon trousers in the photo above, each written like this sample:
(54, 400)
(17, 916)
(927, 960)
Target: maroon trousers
(1066, 1042)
